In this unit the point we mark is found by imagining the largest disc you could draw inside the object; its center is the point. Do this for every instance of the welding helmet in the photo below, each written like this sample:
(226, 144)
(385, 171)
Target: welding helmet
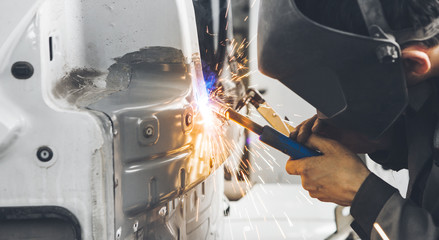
(356, 82)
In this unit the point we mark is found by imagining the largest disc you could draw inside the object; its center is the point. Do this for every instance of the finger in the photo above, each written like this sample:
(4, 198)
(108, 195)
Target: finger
(301, 126)
(295, 167)
(306, 130)
(344, 204)
(324, 199)
(331, 200)
(313, 194)
(318, 125)
(293, 134)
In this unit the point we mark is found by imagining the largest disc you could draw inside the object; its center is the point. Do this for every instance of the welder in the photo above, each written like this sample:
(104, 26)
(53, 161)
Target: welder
(371, 70)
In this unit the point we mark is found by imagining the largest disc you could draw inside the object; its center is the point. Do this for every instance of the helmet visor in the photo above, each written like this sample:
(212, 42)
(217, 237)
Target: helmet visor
(355, 81)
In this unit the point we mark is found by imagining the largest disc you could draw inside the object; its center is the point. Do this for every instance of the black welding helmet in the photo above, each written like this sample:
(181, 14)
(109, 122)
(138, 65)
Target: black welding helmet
(356, 82)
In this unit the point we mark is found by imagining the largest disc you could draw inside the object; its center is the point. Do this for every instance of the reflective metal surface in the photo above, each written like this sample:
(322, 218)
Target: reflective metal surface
(156, 130)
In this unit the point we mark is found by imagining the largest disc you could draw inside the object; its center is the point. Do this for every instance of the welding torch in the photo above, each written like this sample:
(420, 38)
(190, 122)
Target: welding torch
(267, 134)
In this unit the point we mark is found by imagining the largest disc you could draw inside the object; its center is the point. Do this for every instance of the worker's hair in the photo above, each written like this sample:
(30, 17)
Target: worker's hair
(346, 15)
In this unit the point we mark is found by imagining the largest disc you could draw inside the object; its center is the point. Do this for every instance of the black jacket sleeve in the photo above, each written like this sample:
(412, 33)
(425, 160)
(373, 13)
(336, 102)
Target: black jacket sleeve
(378, 202)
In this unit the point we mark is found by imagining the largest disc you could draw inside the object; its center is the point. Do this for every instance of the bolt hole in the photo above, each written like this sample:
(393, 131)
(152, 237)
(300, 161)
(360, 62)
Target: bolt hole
(148, 132)
(44, 154)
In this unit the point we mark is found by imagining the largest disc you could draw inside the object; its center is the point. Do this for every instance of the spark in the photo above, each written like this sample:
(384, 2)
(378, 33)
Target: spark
(237, 147)
(257, 232)
(288, 219)
(247, 181)
(242, 45)
(211, 34)
(253, 3)
(254, 144)
(257, 166)
(252, 198)
(262, 180)
(304, 196)
(265, 160)
(264, 146)
(262, 202)
(271, 156)
(245, 19)
(213, 145)
(251, 40)
(250, 165)
(248, 217)
(380, 231)
(277, 223)
(228, 8)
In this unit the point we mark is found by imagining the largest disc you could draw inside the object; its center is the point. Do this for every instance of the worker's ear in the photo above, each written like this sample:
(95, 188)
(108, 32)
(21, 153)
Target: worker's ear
(417, 63)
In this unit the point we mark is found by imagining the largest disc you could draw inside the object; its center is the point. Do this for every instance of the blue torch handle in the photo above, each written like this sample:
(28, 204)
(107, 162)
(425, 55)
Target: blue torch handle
(277, 140)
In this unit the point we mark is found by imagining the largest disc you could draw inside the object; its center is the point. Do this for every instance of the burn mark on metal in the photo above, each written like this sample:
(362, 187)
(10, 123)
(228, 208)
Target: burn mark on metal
(85, 86)
(152, 55)
(82, 86)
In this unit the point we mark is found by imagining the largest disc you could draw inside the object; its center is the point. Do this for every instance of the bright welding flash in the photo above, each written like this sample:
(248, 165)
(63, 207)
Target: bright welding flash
(206, 112)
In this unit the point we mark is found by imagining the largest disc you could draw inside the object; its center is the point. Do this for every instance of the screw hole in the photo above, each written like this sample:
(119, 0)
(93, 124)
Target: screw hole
(44, 154)
(148, 132)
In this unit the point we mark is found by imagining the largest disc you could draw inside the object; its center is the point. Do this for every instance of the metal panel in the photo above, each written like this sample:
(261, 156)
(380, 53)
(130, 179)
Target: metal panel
(101, 104)
(155, 134)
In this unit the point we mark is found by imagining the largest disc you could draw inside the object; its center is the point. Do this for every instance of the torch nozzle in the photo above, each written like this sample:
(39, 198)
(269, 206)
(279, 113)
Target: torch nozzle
(228, 113)
(219, 108)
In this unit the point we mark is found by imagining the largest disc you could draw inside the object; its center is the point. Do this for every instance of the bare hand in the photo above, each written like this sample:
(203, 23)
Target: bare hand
(351, 140)
(335, 176)
(306, 128)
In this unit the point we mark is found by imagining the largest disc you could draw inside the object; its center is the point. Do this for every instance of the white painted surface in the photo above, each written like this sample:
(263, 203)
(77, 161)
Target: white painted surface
(12, 13)
(279, 211)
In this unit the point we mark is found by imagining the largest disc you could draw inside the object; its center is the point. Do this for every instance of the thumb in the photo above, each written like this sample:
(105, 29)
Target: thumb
(295, 167)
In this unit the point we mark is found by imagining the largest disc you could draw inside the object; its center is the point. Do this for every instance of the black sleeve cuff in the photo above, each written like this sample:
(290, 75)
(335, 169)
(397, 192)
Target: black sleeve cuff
(369, 201)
